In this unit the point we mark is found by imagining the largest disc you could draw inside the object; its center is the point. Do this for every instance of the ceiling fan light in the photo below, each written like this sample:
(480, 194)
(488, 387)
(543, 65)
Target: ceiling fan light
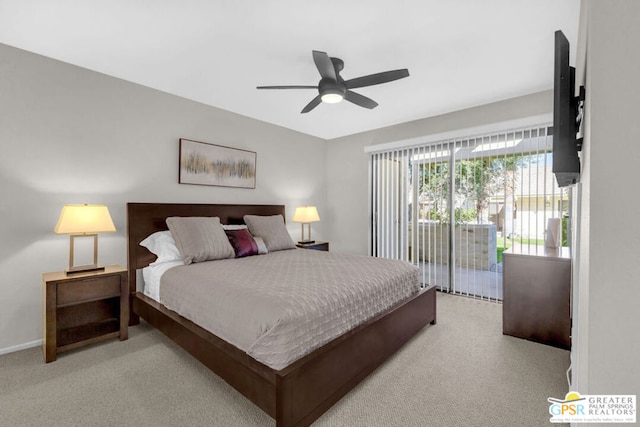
(332, 98)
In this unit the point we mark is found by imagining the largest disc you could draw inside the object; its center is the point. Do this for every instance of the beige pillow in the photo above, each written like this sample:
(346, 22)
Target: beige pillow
(272, 230)
(200, 238)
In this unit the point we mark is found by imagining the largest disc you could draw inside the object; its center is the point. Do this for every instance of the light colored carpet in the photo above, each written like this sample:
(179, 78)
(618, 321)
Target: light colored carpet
(460, 372)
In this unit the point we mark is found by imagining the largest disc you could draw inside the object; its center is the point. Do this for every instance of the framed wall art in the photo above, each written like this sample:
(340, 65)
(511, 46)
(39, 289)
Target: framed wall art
(202, 163)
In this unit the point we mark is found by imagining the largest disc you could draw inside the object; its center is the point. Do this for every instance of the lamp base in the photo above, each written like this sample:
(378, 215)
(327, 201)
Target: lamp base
(84, 269)
(306, 242)
(87, 267)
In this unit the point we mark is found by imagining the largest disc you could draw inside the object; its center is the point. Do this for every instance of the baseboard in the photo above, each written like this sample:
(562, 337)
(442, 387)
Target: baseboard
(19, 347)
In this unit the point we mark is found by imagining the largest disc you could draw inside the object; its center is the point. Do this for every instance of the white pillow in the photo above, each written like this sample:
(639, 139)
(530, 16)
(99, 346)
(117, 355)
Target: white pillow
(162, 245)
(234, 227)
(262, 248)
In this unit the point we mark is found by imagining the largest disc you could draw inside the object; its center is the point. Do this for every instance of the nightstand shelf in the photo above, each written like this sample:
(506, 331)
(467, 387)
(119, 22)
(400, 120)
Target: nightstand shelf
(79, 336)
(83, 308)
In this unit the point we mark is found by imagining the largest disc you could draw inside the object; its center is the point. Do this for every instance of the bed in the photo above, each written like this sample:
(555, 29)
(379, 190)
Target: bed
(302, 391)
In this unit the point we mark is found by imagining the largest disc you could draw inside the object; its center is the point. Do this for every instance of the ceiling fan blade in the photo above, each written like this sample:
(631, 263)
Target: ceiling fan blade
(287, 87)
(360, 100)
(313, 104)
(376, 79)
(324, 65)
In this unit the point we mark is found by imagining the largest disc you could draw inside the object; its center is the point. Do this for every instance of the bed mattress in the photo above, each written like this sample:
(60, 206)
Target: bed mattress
(281, 306)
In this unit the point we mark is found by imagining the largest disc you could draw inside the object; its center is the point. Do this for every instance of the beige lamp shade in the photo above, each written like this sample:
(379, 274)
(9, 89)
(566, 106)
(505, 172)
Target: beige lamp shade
(306, 214)
(84, 219)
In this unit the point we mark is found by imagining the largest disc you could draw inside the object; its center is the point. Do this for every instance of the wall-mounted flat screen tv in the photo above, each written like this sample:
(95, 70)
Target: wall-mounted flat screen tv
(566, 162)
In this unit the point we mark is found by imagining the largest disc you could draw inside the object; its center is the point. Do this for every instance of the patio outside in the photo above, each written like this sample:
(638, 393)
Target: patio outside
(498, 202)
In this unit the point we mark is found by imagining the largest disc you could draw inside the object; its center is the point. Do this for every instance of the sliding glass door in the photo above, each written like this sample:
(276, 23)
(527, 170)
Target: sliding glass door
(453, 207)
(430, 186)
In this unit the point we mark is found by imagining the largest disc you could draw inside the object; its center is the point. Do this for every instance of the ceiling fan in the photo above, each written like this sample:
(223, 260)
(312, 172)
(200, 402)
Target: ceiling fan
(332, 88)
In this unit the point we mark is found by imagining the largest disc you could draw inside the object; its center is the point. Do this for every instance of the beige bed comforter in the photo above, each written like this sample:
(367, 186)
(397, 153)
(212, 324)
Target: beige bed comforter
(281, 306)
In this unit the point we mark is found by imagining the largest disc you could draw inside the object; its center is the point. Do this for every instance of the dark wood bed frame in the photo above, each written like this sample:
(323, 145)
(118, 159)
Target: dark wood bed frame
(300, 393)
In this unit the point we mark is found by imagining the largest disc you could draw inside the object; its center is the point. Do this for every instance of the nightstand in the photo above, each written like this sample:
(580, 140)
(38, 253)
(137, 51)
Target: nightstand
(317, 245)
(83, 308)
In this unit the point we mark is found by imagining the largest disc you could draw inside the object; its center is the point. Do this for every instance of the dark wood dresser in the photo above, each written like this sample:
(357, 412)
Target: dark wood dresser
(537, 294)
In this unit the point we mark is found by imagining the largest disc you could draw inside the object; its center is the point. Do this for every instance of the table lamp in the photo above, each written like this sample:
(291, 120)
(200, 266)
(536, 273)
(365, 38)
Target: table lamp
(306, 215)
(84, 221)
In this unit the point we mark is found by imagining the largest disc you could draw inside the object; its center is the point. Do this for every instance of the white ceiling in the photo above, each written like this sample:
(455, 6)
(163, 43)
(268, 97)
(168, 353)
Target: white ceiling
(460, 53)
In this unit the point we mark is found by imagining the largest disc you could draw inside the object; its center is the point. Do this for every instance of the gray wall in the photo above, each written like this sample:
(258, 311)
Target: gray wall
(606, 347)
(70, 135)
(347, 161)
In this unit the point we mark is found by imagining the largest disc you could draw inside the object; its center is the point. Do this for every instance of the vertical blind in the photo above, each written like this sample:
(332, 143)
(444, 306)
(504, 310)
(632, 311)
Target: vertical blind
(452, 207)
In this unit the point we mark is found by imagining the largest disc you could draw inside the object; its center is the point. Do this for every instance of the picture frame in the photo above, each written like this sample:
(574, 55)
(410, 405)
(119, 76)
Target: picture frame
(202, 163)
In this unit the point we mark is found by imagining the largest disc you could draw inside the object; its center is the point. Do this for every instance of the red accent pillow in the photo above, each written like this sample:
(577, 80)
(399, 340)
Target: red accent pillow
(242, 242)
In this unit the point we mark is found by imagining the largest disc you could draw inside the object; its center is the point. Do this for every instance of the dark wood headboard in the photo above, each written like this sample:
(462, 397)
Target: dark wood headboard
(146, 218)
